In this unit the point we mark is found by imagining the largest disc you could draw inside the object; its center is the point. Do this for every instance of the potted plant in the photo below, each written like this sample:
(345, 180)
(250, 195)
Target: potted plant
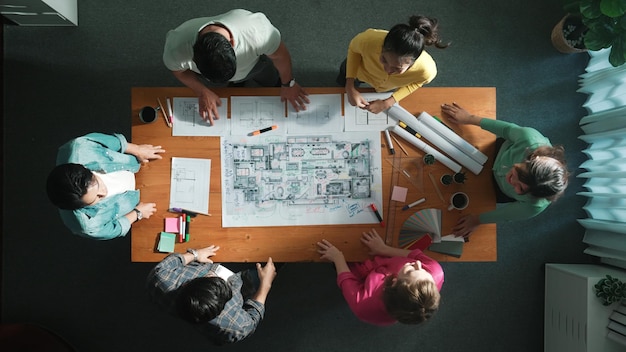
(610, 290)
(593, 25)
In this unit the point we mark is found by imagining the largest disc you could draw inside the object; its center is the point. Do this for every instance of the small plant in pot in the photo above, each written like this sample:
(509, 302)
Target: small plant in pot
(593, 25)
(610, 290)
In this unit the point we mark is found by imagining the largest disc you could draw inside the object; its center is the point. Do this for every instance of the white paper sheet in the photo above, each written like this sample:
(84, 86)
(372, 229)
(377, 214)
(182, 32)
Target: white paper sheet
(190, 184)
(188, 122)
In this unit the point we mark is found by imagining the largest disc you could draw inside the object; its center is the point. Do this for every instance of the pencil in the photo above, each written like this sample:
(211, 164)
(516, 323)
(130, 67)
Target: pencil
(167, 120)
(432, 179)
(400, 145)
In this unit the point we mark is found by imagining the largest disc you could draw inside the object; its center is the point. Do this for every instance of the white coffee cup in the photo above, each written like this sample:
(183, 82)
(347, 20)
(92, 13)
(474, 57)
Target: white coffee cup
(458, 201)
(148, 114)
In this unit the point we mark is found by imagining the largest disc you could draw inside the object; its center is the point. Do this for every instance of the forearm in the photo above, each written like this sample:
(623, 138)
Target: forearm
(282, 61)
(341, 266)
(261, 294)
(190, 79)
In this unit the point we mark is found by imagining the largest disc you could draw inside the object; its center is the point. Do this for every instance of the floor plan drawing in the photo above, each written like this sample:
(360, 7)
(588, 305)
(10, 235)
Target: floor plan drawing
(190, 184)
(301, 179)
(188, 122)
(253, 113)
(322, 115)
(358, 119)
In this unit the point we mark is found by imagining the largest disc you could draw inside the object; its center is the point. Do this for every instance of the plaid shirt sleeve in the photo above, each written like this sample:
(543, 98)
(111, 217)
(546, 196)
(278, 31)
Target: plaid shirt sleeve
(238, 320)
(169, 275)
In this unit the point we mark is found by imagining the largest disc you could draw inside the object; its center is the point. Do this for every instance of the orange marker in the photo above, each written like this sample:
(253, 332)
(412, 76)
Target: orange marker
(267, 129)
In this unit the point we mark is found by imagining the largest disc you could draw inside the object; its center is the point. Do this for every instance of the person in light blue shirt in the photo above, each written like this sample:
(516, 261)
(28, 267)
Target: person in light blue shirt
(93, 184)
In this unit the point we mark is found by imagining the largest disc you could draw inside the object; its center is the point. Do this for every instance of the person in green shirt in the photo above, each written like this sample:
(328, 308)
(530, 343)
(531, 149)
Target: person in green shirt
(529, 173)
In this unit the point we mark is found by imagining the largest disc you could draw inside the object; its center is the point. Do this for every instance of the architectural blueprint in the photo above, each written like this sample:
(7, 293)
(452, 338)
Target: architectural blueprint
(322, 115)
(249, 114)
(301, 179)
(190, 184)
(188, 122)
(358, 119)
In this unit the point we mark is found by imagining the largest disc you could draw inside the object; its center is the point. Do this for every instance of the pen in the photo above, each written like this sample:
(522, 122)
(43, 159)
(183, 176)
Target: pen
(181, 231)
(409, 129)
(380, 219)
(187, 223)
(408, 206)
(388, 137)
(169, 109)
(399, 145)
(263, 130)
(167, 119)
(432, 179)
(188, 212)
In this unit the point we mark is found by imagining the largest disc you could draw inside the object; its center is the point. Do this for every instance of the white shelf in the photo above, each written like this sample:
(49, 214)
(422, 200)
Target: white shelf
(574, 318)
(41, 12)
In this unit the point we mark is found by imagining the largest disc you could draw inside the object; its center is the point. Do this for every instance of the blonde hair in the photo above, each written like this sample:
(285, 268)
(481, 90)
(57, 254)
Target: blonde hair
(410, 302)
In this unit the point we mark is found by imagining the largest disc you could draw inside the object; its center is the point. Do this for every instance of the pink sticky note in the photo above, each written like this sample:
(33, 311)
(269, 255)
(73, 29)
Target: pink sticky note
(399, 194)
(171, 225)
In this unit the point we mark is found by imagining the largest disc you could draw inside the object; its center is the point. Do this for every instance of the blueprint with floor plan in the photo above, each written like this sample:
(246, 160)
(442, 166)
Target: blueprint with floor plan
(287, 180)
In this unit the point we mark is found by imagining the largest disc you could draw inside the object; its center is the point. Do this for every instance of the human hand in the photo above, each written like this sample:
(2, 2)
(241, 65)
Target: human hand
(466, 225)
(374, 242)
(356, 99)
(266, 273)
(459, 115)
(296, 96)
(377, 106)
(207, 105)
(204, 254)
(147, 152)
(329, 252)
(146, 209)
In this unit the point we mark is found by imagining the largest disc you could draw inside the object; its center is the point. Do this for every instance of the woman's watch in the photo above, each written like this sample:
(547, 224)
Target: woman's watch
(139, 214)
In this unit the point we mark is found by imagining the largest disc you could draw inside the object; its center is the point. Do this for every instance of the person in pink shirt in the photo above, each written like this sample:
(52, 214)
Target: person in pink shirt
(396, 285)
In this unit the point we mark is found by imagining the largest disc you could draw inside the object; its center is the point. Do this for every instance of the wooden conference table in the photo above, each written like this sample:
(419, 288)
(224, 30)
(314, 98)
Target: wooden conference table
(298, 243)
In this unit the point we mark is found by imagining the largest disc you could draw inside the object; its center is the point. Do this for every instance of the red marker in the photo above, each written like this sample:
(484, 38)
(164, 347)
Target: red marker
(380, 218)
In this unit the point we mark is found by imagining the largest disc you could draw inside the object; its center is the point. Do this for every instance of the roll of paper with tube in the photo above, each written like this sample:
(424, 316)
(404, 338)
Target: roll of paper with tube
(400, 114)
(452, 137)
(426, 148)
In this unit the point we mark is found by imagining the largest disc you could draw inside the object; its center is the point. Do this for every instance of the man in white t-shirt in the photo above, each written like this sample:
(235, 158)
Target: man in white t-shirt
(233, 47)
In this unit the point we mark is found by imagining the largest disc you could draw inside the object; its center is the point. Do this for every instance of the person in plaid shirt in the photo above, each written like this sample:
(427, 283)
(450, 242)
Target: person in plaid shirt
(226, 306)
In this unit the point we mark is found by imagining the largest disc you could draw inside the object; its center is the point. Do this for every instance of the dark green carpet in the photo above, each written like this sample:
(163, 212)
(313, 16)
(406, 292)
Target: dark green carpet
(64, 82)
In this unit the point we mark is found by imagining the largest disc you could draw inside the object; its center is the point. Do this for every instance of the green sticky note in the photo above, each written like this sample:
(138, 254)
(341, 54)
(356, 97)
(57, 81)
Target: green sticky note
(166, 242)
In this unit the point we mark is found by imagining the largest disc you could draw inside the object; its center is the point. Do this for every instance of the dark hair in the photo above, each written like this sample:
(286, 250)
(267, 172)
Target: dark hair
(545, 172)
(215, 58)
(67, 184)
(410, 302)
(202, 299)
(410, 39)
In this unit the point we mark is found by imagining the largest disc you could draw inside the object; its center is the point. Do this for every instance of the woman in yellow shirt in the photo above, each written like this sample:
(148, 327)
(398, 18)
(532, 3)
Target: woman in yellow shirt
(390, 60)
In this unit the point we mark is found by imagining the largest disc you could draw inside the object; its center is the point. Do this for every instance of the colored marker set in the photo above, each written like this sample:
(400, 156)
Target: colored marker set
(179, 226)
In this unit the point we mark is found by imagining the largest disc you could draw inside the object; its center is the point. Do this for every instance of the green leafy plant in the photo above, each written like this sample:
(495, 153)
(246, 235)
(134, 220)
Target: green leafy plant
(610, 290)
(605, 22)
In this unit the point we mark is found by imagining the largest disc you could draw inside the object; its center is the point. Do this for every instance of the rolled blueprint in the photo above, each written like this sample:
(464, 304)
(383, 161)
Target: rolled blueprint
(400, 114)
(452, 137)
(426, 148)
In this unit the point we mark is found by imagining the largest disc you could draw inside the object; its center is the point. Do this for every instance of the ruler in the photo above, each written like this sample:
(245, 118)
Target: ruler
(396, 162)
